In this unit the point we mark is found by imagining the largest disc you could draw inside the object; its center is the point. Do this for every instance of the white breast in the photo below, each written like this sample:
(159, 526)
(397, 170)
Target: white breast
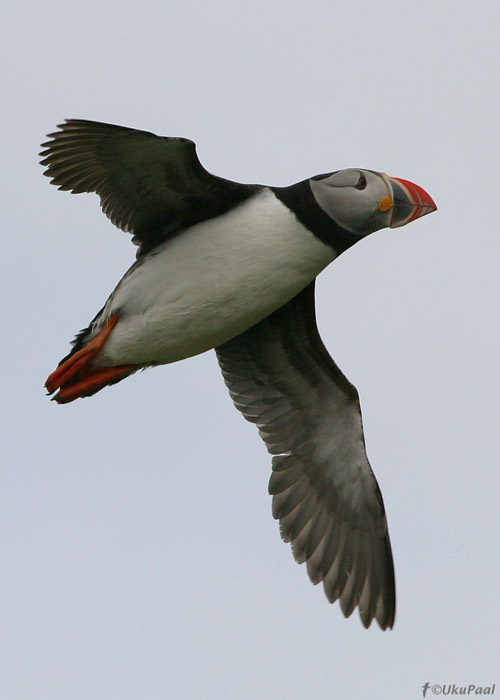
(212, 282)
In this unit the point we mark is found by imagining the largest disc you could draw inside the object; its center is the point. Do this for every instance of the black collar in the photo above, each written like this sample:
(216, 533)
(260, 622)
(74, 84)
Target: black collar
(300, 200)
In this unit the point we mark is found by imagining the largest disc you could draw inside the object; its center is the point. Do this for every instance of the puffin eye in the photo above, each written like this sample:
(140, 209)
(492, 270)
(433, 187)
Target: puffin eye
(361, 183)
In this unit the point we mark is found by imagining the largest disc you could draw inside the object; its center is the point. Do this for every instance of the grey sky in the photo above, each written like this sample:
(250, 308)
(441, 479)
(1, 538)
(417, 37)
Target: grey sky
(139, 555)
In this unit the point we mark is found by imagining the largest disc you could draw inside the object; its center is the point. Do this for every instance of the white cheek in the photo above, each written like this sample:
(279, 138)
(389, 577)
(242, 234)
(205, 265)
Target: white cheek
(353, 213)
(355, 210)
(345, 205)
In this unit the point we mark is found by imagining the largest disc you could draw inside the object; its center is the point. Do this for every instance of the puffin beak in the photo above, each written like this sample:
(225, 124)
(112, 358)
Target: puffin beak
(410, 202)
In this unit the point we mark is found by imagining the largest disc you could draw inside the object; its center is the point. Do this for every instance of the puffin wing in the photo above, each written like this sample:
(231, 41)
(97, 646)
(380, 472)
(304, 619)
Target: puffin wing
(150, 186)
(325, 495)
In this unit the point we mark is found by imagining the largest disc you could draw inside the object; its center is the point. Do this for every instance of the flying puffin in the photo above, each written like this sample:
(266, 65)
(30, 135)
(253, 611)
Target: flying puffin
(232, 267)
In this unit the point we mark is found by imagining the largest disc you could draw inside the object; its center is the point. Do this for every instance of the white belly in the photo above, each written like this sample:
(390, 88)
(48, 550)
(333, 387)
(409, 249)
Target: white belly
(212, 282)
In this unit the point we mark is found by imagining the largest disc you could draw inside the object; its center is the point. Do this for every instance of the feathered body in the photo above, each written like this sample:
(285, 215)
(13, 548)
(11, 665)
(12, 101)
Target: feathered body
(231, 266)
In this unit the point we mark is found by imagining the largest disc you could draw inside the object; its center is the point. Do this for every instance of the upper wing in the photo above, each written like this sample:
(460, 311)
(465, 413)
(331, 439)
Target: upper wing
(149, 185)
(325, 495)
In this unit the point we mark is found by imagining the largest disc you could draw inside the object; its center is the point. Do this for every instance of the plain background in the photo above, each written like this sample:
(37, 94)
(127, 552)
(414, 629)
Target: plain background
(139, 558)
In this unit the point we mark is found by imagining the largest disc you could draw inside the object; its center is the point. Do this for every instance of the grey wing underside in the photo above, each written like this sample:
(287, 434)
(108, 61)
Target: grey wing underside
(150, 186)
(325, 495)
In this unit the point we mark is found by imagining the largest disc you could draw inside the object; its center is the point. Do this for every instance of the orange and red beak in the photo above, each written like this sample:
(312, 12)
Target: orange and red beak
(410, 202)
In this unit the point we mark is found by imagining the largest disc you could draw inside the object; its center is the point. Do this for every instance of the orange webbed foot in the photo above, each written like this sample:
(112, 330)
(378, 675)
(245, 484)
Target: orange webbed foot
(76, 378)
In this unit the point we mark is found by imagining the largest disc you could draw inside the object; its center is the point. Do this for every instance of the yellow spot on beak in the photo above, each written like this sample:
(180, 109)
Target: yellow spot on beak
(385, 204)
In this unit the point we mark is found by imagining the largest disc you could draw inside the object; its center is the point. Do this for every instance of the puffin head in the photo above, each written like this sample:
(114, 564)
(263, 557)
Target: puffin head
(363, 201)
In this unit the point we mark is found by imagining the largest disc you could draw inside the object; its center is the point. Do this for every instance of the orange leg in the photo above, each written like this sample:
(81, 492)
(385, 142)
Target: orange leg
(76, 378)
(93, 381)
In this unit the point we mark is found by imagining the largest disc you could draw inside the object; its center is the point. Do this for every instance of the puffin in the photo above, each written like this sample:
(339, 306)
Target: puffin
(232, 267)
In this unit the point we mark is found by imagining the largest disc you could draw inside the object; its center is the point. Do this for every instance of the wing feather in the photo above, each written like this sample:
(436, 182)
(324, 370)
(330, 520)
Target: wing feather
(149, 186)
(325, 495)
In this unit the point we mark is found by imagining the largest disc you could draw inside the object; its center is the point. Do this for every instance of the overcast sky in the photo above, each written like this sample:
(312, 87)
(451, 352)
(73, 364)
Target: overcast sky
(139, 555)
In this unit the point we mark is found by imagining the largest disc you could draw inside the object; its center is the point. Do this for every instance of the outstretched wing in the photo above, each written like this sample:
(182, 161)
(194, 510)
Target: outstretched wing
(149, 185)
(325, 494)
